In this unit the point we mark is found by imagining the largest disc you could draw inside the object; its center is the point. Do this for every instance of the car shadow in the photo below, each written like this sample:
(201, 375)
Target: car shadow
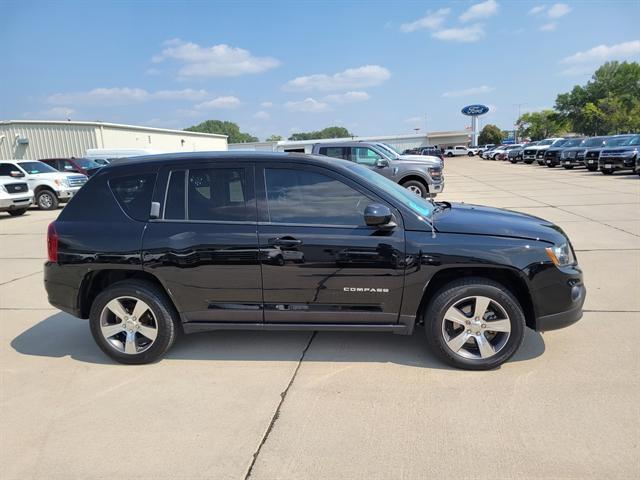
(62, 335)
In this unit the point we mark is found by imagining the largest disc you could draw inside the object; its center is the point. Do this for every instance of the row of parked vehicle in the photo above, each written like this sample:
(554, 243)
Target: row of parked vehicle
(607, 154)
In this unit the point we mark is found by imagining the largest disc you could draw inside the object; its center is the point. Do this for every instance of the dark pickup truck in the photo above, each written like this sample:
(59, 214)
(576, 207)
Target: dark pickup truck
(239, 240)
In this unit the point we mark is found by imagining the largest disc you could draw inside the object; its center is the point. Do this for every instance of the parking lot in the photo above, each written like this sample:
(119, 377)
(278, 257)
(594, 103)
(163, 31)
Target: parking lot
(229, 405)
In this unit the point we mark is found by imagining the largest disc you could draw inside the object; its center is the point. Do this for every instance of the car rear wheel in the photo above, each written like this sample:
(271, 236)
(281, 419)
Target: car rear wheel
(470, 154)
(46, 200)
(417, 187)
(449, 154)
(474, 324)
(17, 213)
(133, 322)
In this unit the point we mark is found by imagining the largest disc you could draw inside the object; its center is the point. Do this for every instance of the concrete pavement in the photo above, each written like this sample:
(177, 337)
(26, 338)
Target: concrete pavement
(339, 405)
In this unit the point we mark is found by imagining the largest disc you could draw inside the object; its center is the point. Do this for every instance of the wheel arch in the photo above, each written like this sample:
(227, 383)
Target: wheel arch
(42, 187)
(412, 176)
(96, 281)
(509, 278)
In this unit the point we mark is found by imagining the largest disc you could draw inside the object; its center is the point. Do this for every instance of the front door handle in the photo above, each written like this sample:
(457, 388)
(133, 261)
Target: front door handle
(286, 242)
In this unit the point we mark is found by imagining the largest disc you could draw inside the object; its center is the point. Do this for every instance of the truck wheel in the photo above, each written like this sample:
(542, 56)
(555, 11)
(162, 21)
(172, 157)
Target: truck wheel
(417, 187)
(551, 165)
(449, 154)
(568, 167)
(17, 213)
(46, 200)
(133, 322)
(474, 323)
(470, 154)
(528, 162)
(607, 172)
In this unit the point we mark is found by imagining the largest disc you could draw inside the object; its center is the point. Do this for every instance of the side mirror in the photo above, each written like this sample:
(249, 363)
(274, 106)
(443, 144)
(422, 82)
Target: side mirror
(16, 174)
(382, 163)
(376, 215)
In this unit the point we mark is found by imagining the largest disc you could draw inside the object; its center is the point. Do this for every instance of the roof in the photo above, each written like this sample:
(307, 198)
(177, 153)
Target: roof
(109, 125)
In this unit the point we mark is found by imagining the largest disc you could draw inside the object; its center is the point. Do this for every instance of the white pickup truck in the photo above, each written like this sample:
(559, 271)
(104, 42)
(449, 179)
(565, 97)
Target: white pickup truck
(49, 186)
(15, 196)
(457, 151)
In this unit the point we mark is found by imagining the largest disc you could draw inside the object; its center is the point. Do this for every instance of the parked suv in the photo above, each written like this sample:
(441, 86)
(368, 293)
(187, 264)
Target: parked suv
(530, 153)
(15, 195)
(197, 242)
(49, 186)
(592, 155)
(457, 151)
(574, 156)
(620, 157)
(553, 155)
(84, 166)
(420, 174)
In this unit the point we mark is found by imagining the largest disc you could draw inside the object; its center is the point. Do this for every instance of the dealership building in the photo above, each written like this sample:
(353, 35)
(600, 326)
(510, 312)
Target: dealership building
(399, 142)
(35, 139)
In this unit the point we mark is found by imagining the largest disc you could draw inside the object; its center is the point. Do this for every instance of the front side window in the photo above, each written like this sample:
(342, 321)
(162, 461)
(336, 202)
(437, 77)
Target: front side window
(6, 169)
(133, 193)
(67, 166)
(308, 197)
(217, 194)
(365, 156)
(34, 168)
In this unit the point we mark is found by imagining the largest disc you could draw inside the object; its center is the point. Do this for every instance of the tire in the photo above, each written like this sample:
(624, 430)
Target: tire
(417, 187)
(551, 165)
(528, 162)
(470, 154)
(592, 169)
(17, 213)
(449, 154)
(568, 167)
(163, 317)
(46, 200)
(607, 172)
(460, 292)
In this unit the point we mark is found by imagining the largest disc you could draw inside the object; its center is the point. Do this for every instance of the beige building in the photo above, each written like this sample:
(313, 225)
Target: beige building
(34, 139)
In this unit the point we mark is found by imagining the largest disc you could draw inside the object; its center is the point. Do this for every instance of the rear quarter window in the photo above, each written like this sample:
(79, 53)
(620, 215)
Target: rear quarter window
(134, 193)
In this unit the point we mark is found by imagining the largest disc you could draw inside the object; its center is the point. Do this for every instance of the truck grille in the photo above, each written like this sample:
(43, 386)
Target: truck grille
(77, 180)
(529, 152)
(593, 154)
(16, 187)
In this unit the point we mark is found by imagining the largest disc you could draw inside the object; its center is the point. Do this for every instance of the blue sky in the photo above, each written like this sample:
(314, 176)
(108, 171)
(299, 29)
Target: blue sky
(376, 67)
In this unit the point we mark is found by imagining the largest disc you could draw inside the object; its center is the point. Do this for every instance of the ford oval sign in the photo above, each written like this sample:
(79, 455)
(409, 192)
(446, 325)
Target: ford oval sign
(473, 110)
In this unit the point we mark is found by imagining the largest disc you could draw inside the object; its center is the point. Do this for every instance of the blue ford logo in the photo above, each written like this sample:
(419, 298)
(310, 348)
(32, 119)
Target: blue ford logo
(472, 110)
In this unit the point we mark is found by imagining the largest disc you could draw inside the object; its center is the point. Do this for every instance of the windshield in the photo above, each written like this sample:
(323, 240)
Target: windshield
(545, 142)
(33, 168)
(421, 207)
(574, 142)
(593, 142)
(388, 150)
(616, 141)
(87, 163)
(632, 141)
(560, 143)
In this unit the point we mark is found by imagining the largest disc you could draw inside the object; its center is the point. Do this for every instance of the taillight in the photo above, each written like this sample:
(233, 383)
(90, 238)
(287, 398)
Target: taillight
(52, 243)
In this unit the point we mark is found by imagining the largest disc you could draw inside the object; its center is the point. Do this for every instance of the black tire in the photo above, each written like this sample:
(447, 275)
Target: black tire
(449, 154)
(514, 161)
(607, 172)
(592, 169)
(528, 162)
(458, 290)
(551, 165)
(17, 213)
(470, 154)
(46, 200)
(424, 191)
(166, 318)
(568, 167)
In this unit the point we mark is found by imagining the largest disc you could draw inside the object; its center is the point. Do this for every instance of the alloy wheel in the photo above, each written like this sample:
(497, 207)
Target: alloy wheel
(45, 201)
(476, 327)
(128, 325)
(415, 189)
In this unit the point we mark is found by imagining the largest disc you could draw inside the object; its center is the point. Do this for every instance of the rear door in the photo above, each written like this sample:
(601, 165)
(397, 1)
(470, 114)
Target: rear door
(320, 262)
(204, 246)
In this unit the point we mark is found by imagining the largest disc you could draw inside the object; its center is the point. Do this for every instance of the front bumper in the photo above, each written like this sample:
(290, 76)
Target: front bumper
(16, 202)
(617, 163)
(562, 319)
(558, 295)
(67, 194)
(435, 188)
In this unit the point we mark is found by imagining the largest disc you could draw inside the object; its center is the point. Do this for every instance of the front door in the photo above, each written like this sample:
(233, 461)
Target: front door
(320, 262)
(204, 248)
(369, 158)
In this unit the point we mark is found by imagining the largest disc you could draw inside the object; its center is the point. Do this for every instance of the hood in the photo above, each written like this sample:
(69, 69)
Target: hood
(480, 220)
(53, 175)
(420, 160)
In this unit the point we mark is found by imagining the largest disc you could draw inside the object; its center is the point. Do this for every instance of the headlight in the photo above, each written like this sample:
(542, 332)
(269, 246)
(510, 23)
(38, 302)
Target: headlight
(435, 173)
(62, 182)
(561, 255)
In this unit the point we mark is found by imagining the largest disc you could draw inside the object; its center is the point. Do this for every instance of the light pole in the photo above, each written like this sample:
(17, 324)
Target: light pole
(515, 125)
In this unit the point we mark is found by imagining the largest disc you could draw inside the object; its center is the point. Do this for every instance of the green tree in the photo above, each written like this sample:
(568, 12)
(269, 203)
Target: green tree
(329, 132)
(274, 138)
(490, 134)
(539, 125)
(231, 129)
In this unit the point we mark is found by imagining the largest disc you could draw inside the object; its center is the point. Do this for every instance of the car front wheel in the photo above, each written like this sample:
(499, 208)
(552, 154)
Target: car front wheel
(416, 187)
(17, 213)
(46, 200)
(133, 322)
(474, 324)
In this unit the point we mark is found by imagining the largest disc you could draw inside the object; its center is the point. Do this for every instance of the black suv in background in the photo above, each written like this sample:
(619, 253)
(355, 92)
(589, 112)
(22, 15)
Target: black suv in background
(207, 241)
(574, 156)
(553, 155)
(591, 155)
(420, 174)
(618, 157)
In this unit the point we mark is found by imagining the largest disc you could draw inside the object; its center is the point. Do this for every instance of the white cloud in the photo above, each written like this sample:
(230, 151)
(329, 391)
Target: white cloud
(55, 113)
(480, 10)
(266, 104)
(578, 71)
(548, 27)
(431, 21)
(186, 94)
(152, 71)
(349, 97)
(365, 76)
(537, 9)
(220, 102)
(558, 10)
(469, 91)
(101, 96)
(307, 105)
(602, 53)
(414, 120)
(215, 61)
(465, 35)
(261, 115)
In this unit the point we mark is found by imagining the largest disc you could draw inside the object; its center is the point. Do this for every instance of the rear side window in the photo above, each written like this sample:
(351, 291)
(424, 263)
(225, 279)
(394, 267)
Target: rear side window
(133, 193)
(175, 200)
(217, 194)
(335, 152)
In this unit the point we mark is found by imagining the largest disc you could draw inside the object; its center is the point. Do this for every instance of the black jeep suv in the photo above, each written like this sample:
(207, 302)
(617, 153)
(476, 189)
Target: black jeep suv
(207, 241)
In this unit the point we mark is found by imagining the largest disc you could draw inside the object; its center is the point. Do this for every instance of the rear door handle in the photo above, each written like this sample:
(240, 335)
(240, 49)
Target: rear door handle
(286, 242)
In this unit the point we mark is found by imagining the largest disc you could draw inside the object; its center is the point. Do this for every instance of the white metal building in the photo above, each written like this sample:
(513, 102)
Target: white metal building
(399, 142)
(34, 139)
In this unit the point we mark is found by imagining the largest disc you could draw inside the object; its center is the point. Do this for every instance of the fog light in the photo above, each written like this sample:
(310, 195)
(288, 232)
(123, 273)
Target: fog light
(576, 293)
